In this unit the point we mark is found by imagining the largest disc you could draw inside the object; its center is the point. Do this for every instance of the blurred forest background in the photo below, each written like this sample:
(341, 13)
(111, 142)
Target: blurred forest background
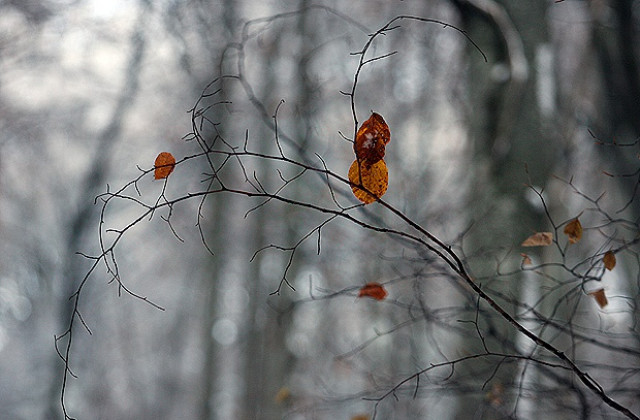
(482, 155)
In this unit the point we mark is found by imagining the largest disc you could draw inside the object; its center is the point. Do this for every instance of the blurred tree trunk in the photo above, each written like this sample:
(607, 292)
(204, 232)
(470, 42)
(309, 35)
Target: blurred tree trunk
(82, 220)
(260, 349)
(507, 131)
(200, 57)
(615, 118)
(615, 36)
(211, 287)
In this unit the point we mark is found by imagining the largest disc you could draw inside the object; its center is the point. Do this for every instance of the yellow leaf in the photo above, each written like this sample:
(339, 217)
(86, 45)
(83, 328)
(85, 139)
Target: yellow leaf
(165, 162)
(573, 230)
(374, 178)
(600, 297)
(539, 239)
(609, 260)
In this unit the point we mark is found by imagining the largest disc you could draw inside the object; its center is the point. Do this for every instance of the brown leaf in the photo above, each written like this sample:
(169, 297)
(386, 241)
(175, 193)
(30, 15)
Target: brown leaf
(373, 290)
(600, 297)
(526, 260)
(539, 239)
(283, 395)
(165, 162)
(495, 396)
(371, 139)
(609, 260)
(374, 178)
(360, 417)
(573, 230)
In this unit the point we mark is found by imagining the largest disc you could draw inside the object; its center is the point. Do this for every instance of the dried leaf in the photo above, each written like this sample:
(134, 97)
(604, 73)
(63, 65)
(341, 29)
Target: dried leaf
(609, 260)
(600, 297)
(374, 178)
(526, 260)
(573, 230)
(539, 239)
(165, 162)
(496, 394)
(371, 139)
(373, 290)
(283, 395)
(360, 417)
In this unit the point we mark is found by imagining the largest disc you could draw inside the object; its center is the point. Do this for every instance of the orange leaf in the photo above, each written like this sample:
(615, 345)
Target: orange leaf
(374, 178)
(609, 260)
(165, 162)
(373, 290)
(526, 260)
(371, 139)
(600, 297)
(539, 239)
(573, 230)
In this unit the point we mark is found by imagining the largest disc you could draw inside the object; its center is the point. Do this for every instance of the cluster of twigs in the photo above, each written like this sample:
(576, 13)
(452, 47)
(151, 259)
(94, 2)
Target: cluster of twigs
(228, 172)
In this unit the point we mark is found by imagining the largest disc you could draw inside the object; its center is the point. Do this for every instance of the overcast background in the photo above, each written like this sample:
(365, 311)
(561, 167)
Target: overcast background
(91, 91)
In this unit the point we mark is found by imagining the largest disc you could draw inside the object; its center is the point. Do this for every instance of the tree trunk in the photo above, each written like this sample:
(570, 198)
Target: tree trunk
(510, 147)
